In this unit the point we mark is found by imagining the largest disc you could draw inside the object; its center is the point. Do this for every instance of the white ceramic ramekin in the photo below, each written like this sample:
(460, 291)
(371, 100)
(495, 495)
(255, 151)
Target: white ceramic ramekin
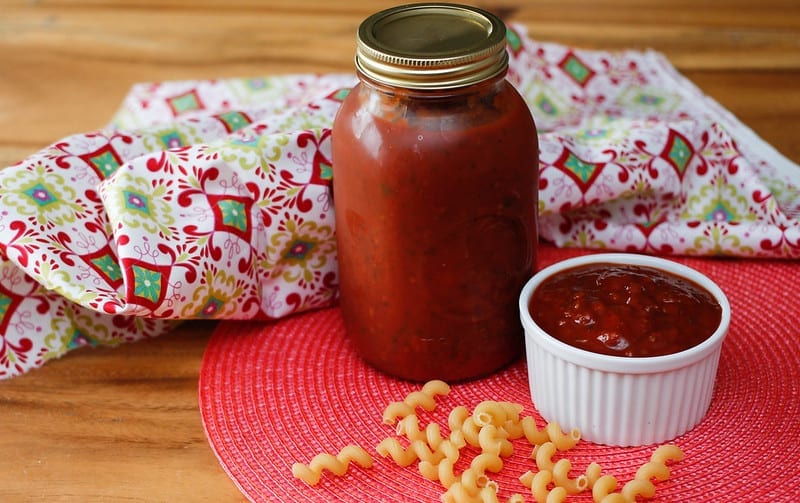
(617, 400)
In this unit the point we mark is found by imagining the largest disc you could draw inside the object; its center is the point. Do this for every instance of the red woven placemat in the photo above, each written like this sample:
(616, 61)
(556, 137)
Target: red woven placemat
(275, 393)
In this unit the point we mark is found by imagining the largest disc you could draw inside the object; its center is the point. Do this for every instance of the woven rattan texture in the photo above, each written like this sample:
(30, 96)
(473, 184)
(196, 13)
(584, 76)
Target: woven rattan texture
(275, 393)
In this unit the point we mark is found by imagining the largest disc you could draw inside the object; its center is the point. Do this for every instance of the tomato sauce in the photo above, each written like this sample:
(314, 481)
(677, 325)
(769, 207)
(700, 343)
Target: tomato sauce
(435, 200)
(625, 310)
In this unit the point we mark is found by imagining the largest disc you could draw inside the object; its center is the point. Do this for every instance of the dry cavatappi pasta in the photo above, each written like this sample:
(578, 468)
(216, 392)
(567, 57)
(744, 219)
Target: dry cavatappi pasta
(338, 464)
(489, 431)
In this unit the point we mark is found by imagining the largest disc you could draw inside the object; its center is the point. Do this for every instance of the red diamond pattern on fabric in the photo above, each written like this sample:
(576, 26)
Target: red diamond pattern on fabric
(104, 161)
(104, 262)
(576, 69)
(233, 121)
(186, 102)
(677, 152)
(232, 214)
(145, 284)
(582, 172)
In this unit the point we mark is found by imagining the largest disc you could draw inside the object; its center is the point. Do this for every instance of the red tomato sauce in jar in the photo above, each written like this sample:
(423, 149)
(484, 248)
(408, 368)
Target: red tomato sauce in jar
(625, 310)
(435, 222)
(435, 192)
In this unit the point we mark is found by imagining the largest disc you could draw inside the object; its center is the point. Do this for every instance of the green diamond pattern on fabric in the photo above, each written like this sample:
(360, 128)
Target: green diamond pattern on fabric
(105, 163)
(137, 202)
(41, 195)
(680, 153)
(577, 69)
(185, 103)
(583, 170)
(234, 214)
(147, 283)
(234, 120)
(109, 266)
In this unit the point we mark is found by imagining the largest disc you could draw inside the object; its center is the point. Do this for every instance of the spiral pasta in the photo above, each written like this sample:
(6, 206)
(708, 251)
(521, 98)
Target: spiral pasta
(423, 398)
(495, 441)
(418, 449)
(311, 473)
(539, 485)
(603, 486)
(638, 487)
(490, 429)
(543, 454)
(562, 441)
(652, 470)
(562, 479)
(665, 453)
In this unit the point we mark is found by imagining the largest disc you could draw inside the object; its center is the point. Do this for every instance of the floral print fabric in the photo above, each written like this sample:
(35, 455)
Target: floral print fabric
(211, 199)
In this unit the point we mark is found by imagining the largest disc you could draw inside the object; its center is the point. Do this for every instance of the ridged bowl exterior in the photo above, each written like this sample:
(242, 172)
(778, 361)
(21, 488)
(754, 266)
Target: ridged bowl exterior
(617, 400)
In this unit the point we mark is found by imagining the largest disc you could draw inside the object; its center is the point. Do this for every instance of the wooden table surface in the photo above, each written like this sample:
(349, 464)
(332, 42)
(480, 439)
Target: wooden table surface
(123, 424)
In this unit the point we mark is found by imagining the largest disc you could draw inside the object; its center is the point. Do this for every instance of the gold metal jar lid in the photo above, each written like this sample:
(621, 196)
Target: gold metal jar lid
(431, 46)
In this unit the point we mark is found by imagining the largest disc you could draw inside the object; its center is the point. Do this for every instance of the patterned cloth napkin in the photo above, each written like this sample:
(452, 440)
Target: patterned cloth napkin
(210, 199)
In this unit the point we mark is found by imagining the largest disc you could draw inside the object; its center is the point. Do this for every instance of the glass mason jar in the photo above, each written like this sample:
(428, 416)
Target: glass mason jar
(435, 180)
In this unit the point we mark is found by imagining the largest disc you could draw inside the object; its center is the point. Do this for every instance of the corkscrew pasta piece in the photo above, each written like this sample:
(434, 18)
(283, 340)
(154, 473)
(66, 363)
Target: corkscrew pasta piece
(496, 413)
(474, 478)
(561, 477)
(543, 454)
(471, 432)
(513, 429)
(443, 471)
(652, 470)
(399, 410)
(311, 473)
(418, 449)
(423, 398)
(458, 493)
(540, 490)
(563, 441)
(409, 427)
(603, 486)
(494, 440)
(457, 417)
(486, 462)
(534, 435)
(593, 472)
(638, 487)
(436, 387)
(666, 453)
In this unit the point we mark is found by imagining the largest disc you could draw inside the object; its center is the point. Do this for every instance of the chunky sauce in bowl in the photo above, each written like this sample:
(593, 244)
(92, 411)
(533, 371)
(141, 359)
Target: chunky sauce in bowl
(625, 310)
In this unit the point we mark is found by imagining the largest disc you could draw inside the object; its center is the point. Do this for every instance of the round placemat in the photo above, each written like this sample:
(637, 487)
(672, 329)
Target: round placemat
(275, 393)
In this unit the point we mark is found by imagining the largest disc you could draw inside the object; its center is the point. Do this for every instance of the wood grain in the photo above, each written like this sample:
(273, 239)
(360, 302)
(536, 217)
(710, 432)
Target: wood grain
(123, 424)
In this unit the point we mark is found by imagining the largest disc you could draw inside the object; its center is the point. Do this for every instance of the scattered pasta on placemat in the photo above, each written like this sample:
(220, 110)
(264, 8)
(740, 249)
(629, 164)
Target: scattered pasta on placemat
(489, 429)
